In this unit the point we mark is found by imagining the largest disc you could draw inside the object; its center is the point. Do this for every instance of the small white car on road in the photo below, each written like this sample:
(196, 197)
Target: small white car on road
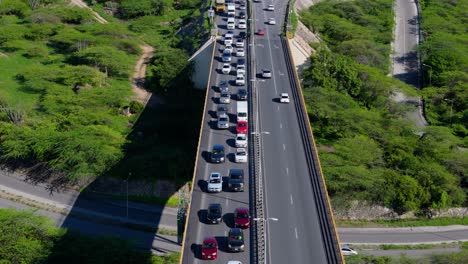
(231, 23)
(347, 251)
(229, 48)
(226, 68)
(223, 121)
(240, 79)
(240, 52)
(228, 38)
(242, 24)
(240, 69)
(271, 21)
(241, 155)
(266, 73)
(284, 98)
(215, 182)
(271, 8)
(241, 141)
(240, 43)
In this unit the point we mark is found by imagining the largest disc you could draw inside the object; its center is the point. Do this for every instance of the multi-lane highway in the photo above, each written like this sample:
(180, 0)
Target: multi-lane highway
(291, 198)
(196, 229)
(297, 235)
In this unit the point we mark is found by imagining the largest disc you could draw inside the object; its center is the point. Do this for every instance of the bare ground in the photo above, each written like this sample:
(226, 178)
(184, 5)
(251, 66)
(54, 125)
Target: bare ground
(139, 75)
(82, 4)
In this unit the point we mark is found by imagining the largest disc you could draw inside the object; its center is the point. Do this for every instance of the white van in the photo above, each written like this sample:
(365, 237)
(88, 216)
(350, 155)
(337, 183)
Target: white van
(231, 23)
(242, 114)
(231, 10)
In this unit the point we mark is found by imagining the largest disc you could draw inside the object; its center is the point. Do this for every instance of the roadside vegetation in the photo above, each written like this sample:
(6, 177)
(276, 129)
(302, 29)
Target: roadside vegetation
(30, 238)
(450, 258)
(445, 56)
(369, 152)
(65, 83)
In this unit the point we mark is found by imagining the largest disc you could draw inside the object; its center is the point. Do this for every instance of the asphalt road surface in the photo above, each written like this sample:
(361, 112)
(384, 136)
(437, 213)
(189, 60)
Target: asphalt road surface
(296, 236)
(197, 230)
(405, 60)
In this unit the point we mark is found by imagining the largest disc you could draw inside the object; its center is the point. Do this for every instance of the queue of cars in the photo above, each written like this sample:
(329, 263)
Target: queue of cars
(233, 63)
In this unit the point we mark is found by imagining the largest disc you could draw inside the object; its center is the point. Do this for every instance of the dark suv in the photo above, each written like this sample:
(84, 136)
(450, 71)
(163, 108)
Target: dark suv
(242, 94)
(242, 35)
(214, 214)
(217, 154)
(236, 180)
(236, 240)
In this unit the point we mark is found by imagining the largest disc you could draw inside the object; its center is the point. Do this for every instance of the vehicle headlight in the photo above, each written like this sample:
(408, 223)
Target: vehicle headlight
(229, 245)
(203, 253)
(242, 246)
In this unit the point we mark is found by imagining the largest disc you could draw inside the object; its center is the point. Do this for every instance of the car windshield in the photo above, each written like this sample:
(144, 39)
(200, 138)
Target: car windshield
(241, 138)
(243, 216)
(215, 211)
(241, 153)
(215, 181)
(223, 119)
(209, 245)
(236, 237)
(217, 151)
(242, 124)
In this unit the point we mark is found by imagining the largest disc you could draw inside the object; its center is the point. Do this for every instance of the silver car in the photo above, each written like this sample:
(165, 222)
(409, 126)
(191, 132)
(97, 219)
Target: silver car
(225, 98)
(223, 121)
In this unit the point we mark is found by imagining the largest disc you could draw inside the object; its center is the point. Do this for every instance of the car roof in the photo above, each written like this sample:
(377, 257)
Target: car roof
(214, 206)
(236, 172)
(209, 240)
(236, 231)
(241, 210)
(218, 146)
(284, 94)
(240, 149)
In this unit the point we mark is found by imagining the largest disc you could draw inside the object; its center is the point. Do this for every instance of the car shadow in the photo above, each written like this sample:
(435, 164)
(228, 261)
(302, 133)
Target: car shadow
(231, 142)
(275, 100)
(212, 114)
(232, 118)
(196, 250)
(203, 185)
(228, 219)
(206, 155)
(231, 157)
(222, 243)
(202, 215)
(225, 184)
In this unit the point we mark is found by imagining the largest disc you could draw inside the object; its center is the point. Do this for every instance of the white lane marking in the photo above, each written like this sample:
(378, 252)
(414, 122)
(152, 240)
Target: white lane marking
(277, 109)
(284, 146)
(290, 196)
(287, 171)
(295, 230)
(281, 125)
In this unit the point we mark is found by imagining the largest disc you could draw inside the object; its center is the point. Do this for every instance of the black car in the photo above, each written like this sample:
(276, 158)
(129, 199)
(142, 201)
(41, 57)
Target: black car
(224, 86)
(242, 35)
(242, 15)
(217, 154)
(241, 61)
(242, 94)
(215, 213)
(236, 180)
(222, 109)
(235, 240)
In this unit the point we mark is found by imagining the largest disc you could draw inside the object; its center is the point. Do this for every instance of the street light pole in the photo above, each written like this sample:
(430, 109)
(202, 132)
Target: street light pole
(129, 174)
(430, 73)
(265, 220)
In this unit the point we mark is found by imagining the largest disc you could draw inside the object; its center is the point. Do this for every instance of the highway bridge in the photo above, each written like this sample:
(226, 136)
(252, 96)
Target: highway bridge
(284, 188)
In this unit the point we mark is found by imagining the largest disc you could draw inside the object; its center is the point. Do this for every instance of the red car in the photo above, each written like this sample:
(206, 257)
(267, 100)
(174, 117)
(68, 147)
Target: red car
(261, 32)
(209, 248)
(242, 127)
(242, 217)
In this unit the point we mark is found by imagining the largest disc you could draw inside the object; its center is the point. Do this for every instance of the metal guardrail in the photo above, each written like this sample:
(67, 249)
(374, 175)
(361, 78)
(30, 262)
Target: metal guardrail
(257, 230)
(325, 214)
